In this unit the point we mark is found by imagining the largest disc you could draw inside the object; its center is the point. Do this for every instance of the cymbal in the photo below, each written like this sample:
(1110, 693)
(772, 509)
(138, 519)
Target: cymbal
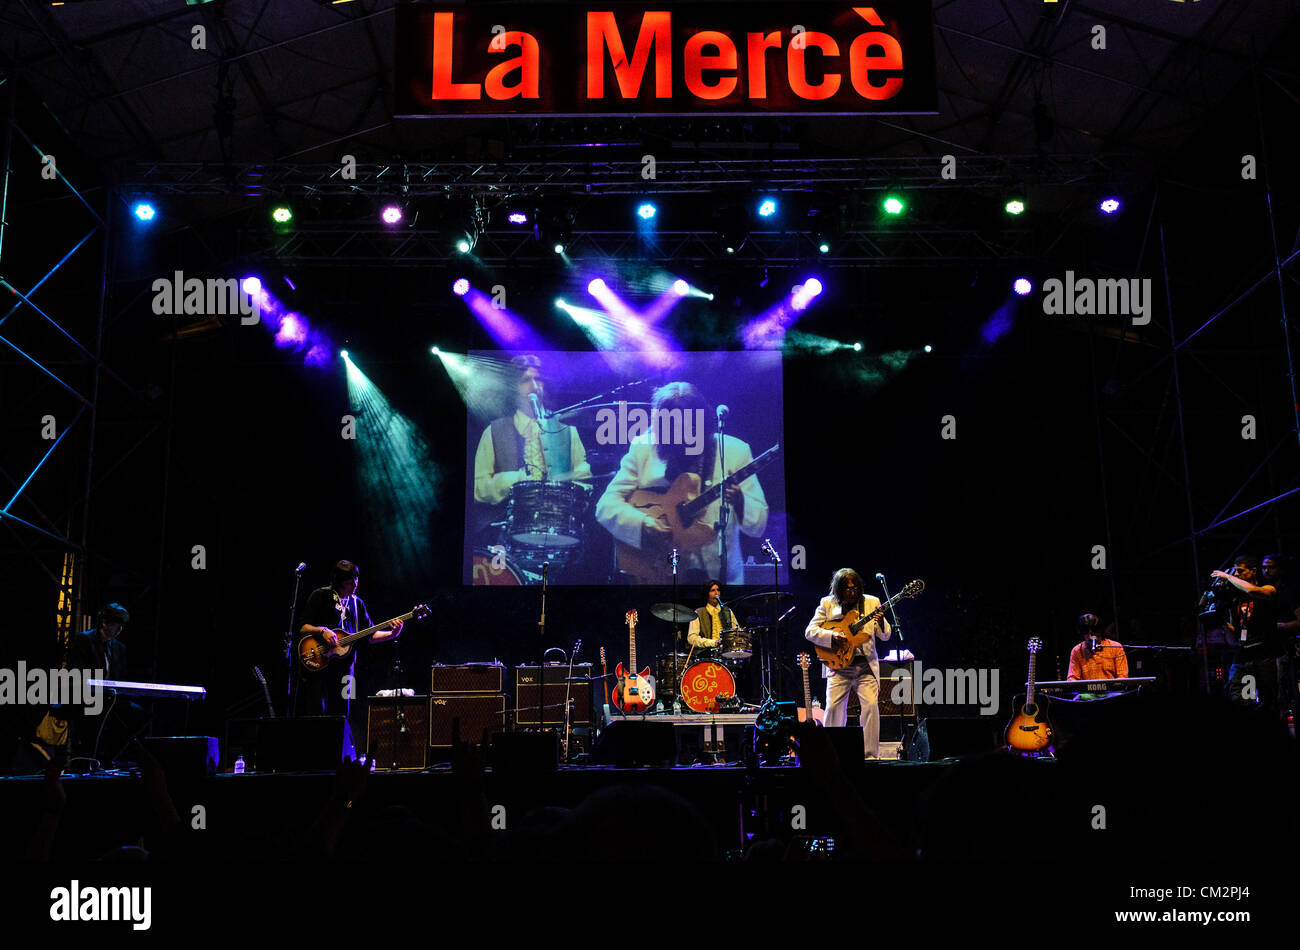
(673, 613)
(763, 600)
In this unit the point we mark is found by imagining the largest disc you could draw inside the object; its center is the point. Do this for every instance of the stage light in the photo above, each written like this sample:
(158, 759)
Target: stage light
(824, 247)
(646, 211)
(144, 211)
(461, 287)
(391, 214)
(596, 286)
(558, 248)
(343, 353)
(435, 351)
(1023, 286)
(857, 347)
(928, 348)
(766, 208)
(251, 286)
(517, 217)
(681, 288)
(813, 286)
(559, 302)
(730, 249)
(281, 215)
(463, 246)
(893, 204)
(1015, 206)
(1110, 205)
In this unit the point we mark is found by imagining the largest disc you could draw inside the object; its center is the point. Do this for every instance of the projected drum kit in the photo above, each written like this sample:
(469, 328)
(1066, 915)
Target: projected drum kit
(543, 524)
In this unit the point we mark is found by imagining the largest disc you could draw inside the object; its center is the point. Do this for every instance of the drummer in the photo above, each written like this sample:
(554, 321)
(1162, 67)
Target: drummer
(519, 447)
(705, 631)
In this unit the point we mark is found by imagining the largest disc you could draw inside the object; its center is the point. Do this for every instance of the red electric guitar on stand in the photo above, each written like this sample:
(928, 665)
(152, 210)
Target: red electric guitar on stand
(633, 692)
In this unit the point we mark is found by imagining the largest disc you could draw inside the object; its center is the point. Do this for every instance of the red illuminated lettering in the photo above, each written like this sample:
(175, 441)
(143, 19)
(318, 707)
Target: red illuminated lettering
(602, 34)
(526, 62)
(756, 61)
(860, 64)
(696, 62)
(797, 69)
(443, 87)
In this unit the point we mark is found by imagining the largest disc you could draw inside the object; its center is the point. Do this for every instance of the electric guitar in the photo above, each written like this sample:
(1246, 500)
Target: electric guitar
(266, 691)
(681, 507)
(1029, 730)
(633, 692)
(808, 712)
(853, 628)
(315, 653)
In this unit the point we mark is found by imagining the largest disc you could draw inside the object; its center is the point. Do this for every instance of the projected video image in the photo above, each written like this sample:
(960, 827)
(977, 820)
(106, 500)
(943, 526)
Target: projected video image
(594, 467)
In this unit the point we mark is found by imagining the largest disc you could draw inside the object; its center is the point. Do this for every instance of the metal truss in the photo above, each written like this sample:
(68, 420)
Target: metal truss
(348, 245)
(578, 175)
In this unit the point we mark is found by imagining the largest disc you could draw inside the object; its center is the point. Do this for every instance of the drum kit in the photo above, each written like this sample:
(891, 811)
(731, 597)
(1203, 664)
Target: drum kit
(704, 680)
(543, 525)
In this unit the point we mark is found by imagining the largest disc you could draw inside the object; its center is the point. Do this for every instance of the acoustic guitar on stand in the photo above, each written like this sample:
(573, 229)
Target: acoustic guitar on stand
(808, 712)
(315, 653)
(852, 628)
(1029, 730)
(633, 692)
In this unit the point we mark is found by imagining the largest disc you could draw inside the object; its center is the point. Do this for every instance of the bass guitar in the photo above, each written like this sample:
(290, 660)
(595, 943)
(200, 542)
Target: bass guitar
(1029, 730)
(808, 712)
(315, 653)
(852, 628)
(681, 507)
(633, 692)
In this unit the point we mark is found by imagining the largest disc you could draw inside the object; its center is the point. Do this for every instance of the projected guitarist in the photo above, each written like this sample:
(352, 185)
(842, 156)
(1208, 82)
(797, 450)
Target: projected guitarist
(864, 672)
(329, 610)
(660, 476)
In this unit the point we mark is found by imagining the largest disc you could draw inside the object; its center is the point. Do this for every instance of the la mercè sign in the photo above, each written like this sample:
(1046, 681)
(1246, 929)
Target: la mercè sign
(692, 59)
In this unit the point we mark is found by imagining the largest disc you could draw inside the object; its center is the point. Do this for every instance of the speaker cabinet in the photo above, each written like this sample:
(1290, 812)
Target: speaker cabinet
(397, 732)
(631, 743)
(524, 753)
(948, 737)
(193, 757)
(305, 744)
(467, 678)
(464, 719)
(556, 689)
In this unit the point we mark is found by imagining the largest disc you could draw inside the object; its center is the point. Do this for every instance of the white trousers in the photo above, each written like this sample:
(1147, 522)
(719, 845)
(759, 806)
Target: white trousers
(838, 685)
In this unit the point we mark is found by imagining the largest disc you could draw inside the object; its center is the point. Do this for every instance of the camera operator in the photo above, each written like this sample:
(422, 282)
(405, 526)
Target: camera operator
(1253, 632)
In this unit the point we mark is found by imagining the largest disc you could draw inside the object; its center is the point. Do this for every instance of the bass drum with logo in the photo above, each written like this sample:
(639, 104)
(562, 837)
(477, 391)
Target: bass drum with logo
(494, 569)
(705, 684)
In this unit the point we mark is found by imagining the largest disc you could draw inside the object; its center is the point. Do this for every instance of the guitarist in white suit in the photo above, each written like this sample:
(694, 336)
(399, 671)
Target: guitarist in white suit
(864, 672)
(653, 462)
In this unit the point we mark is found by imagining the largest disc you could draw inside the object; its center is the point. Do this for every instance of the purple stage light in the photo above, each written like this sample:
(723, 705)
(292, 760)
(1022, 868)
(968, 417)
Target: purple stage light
(1110, 206)
(813, 286)
(596, 287)
(292, 332)
(251, 286)
(460, 287)
(681, 288)
(391, 214)
(517, 217)
(1022, 286)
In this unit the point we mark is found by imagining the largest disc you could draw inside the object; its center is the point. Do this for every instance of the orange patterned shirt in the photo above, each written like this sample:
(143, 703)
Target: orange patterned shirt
(1108, 663)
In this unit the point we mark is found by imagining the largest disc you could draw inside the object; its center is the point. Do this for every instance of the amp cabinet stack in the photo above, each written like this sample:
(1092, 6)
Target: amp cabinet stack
(467, 703)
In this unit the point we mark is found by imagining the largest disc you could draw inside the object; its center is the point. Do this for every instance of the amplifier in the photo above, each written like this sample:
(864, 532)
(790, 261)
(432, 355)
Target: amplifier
(468, 678)
(466, 717)
(388, 744)
(886, 701)
(579, 694)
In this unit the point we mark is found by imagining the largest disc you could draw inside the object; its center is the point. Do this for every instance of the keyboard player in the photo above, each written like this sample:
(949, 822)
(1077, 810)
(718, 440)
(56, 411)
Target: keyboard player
(1095, 657)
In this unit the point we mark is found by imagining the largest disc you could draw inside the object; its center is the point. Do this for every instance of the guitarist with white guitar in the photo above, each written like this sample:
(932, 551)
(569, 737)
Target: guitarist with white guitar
(666, 469)
(329, 611)
(829, 631)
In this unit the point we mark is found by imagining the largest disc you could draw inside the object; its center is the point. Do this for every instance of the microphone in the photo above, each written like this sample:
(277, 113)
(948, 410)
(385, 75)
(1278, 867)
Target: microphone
(537, 406)
(300, 568)
(722, 413)
(1092, 643)
(880, 577)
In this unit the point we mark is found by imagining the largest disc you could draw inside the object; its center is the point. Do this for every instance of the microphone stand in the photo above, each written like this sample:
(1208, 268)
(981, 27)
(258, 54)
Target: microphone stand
(765, 667)
(288, 645)
(677, 634)
(915, 691)
(568, 686)
(541, 666)
(724, 510)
